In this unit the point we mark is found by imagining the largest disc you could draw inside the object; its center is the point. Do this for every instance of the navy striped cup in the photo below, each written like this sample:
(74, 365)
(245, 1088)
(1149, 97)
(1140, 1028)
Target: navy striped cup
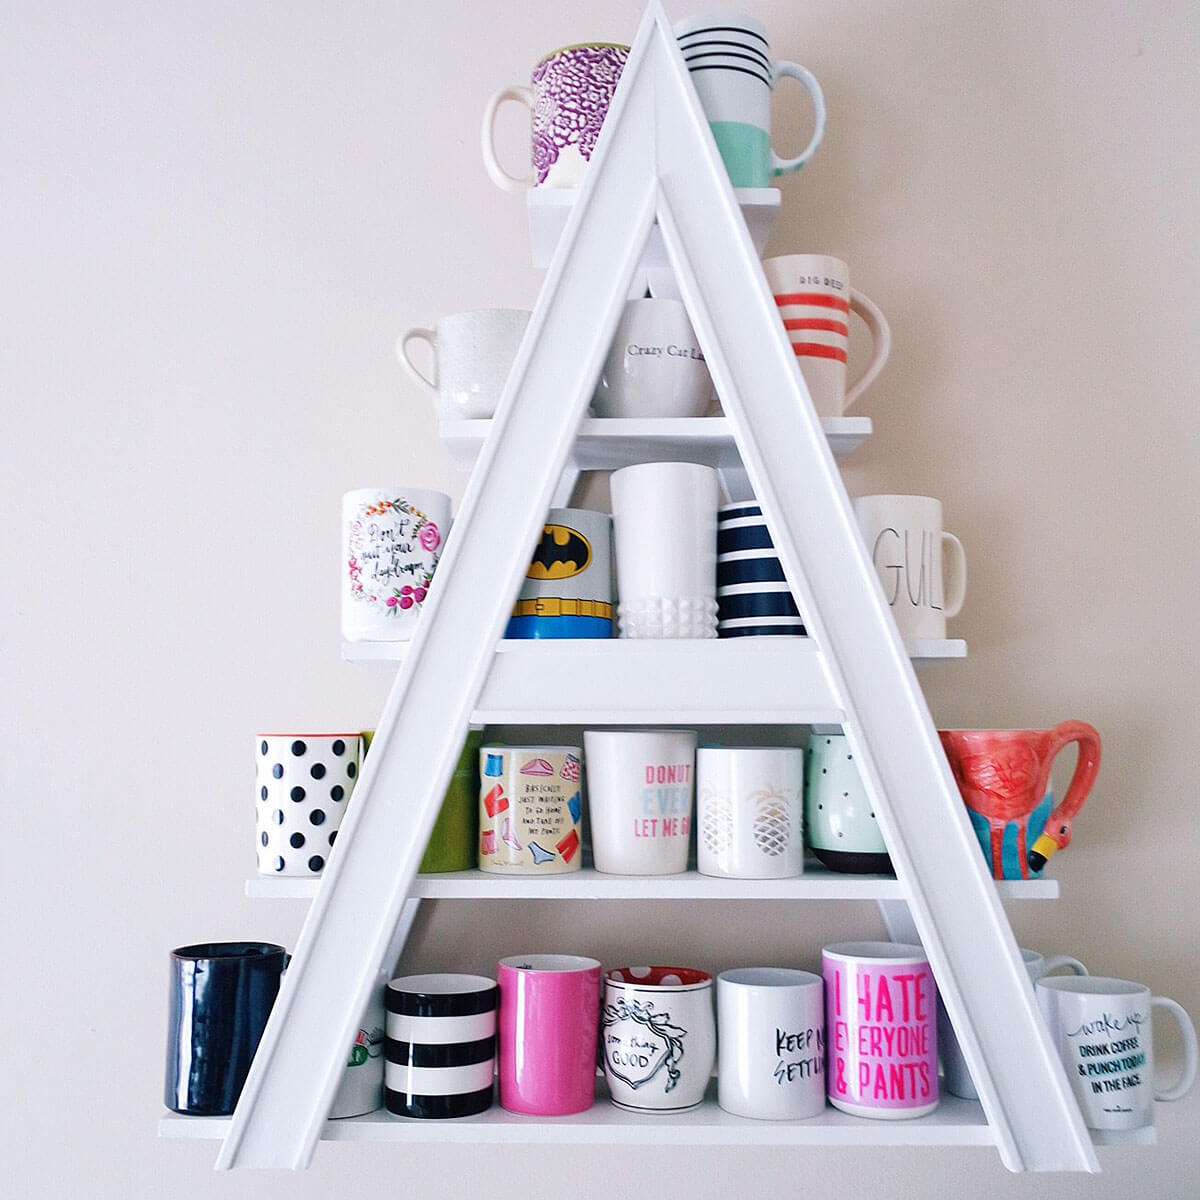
(441, 1045)
(753, 597)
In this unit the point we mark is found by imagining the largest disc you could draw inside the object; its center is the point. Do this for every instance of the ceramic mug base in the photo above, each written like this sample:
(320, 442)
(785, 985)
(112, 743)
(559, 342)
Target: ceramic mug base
(438, 1108)
(656, 1112)
(883, 1114)
(850, 862)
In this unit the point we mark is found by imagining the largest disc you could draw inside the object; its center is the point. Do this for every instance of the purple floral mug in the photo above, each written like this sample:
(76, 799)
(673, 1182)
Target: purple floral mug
(569, 99)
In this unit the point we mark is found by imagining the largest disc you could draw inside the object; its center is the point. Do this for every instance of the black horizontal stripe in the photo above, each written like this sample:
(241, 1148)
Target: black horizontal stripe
(767, 569)
(721, 29)
(727, 67)
(432, 1004)
(453, 1054)
(729, 49)
(743, 537)
(438, 1107)
(756, 604)
(742, 510)
(763, 631)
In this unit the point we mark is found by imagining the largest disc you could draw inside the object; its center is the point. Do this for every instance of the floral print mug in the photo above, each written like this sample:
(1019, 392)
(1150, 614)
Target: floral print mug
(569, 99)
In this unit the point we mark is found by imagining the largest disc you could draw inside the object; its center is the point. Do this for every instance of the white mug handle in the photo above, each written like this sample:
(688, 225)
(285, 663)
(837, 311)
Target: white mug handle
(424, 335)
(500, 177)
(881, 341)
(956, 588)
(779, 70)
(1055, 961)
(1191, 1053)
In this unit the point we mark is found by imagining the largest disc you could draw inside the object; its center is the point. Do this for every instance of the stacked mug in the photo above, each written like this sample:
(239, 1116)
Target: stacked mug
(753, 597)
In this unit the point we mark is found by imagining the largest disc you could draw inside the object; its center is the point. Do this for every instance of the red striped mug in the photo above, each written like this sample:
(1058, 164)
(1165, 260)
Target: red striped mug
(815, 300)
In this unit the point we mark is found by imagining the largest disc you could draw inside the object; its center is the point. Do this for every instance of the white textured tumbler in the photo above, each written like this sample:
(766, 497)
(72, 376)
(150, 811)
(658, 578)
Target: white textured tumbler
(665, 534)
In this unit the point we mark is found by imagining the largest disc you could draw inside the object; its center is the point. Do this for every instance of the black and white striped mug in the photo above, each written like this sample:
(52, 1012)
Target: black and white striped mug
(441, 1045)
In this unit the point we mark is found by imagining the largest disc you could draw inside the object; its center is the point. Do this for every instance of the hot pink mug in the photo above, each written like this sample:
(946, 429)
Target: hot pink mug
(549, 1020)
(1003, 775)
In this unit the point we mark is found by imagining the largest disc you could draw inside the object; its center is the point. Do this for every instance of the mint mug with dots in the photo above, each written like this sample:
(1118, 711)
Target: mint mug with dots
(839, 816)
(302, 783)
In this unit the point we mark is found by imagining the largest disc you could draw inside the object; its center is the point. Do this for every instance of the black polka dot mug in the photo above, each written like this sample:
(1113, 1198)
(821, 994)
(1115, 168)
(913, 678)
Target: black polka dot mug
(303, 782)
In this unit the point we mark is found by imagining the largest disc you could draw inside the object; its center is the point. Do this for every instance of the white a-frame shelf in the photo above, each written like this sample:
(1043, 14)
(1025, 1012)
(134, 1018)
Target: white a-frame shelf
(656, 164)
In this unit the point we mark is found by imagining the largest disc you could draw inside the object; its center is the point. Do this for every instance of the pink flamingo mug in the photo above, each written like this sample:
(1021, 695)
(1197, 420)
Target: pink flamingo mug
(1003, 775)
(549, 1022)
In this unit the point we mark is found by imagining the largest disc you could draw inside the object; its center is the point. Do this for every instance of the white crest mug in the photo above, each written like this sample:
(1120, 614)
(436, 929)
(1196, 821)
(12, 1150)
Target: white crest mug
(473, 353)
(771, 1029)
(749, 811)
(659, 1037)
(1102, 1031)
(815, 300)
(956, 1076)
(922, 568)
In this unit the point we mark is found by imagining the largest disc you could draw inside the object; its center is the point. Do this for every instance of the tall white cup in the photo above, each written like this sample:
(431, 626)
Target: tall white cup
(1102, 1031)
(640, 794)
(748, 806)
(923, 569)
(771, 1047)
(665, 535)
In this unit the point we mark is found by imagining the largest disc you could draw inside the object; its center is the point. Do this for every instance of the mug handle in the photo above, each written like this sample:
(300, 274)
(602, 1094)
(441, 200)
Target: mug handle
(424, 335)
(791, 70)
(952, 604)
(881, 340)
(1057, 834)
(1191, 1052)
(1055, 961)
(500, 177)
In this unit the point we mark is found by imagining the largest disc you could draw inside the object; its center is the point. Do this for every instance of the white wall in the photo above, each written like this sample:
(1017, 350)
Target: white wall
(215, 218)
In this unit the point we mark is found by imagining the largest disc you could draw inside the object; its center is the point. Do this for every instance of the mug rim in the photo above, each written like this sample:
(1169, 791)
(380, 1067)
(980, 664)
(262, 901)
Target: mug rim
(768, 977)
(501, 748)
(226, 951)
(703, 980)
(549, 964)
(582, 46)
(440, 983)
(1092, 985)
(882, 952)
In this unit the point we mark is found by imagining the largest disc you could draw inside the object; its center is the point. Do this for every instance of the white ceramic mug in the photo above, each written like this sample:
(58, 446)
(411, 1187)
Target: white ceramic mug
(665, 535)
(659, 1037)
(530, 809)
(912, 554)
(748, 809)
(734, 75)
(1102, 1031)
(957, 1078)
(361, 1089)
(392, 539)
(568, 101)
(815, 300)
(303, 783)
(640, 794)
(839, 817)
(655, 367)
(473, 353)
(771, 1027)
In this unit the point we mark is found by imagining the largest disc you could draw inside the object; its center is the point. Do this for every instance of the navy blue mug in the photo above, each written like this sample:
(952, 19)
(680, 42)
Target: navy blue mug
(221, 996)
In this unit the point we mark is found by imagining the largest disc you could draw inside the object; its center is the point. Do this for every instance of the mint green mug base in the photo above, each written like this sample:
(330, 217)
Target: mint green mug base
(746, 151)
